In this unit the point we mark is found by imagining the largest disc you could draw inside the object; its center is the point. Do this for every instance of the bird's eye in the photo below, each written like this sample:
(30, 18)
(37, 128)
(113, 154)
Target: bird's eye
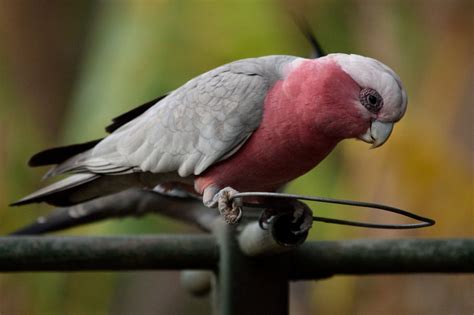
(371, 100)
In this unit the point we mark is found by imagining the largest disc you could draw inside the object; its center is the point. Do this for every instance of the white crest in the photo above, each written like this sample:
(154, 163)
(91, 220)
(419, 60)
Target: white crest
(371, 73)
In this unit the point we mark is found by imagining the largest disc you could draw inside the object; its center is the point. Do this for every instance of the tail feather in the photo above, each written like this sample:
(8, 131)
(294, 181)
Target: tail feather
(73, 164)
(82, 187)
(57, 193)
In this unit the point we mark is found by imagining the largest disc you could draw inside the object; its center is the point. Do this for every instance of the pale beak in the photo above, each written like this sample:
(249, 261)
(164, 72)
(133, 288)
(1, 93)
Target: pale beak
(378, 133)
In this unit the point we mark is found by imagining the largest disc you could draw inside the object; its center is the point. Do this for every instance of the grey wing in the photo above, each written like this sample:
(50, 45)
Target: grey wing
(202, 122)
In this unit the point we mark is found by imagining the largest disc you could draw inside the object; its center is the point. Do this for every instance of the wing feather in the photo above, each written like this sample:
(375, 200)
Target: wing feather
(204, 121)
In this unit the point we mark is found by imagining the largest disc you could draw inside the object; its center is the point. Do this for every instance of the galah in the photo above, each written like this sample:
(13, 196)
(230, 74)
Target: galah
(250, 125)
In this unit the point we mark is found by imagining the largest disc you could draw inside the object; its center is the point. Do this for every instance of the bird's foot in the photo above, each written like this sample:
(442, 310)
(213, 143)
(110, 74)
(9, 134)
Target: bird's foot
(231, 209)
(302, 216)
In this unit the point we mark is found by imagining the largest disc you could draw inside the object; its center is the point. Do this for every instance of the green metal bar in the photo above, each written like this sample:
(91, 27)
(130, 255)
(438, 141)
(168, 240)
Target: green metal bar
(25, 253)
(314, 260)
(249, 285)
(309, 261)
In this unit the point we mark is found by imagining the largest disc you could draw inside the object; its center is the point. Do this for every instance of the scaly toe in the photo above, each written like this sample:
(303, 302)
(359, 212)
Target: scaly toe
(231, 209)
(233, 216)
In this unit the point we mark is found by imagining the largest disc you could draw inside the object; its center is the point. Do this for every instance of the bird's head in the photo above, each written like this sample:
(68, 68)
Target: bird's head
(380, 97)
(349, 96)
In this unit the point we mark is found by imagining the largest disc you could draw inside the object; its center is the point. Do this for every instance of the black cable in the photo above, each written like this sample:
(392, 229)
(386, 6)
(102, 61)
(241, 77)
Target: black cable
(424, 221)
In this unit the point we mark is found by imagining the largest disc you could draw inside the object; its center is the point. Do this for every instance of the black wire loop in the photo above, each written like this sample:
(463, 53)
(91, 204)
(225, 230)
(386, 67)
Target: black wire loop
(424, 222)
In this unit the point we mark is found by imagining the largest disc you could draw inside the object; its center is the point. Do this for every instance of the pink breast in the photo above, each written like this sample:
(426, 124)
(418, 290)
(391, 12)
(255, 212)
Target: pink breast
(286, 145)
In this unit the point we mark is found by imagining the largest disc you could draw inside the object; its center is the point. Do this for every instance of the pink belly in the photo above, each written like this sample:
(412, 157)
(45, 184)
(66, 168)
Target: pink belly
(261, 166)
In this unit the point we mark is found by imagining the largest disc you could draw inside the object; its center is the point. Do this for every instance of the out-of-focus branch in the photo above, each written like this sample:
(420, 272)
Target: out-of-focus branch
(132, 202)
(254, 240)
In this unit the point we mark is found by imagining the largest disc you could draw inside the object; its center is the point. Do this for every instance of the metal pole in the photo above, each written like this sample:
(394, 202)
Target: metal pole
(309, 261)
(172, 252)
(249, 285)
(314, 260)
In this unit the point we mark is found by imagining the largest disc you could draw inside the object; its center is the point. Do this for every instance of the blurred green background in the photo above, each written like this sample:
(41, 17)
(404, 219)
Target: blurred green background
(67, 67)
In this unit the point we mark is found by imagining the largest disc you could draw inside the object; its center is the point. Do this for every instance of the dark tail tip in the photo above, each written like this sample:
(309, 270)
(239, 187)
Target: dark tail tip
(20, 202)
